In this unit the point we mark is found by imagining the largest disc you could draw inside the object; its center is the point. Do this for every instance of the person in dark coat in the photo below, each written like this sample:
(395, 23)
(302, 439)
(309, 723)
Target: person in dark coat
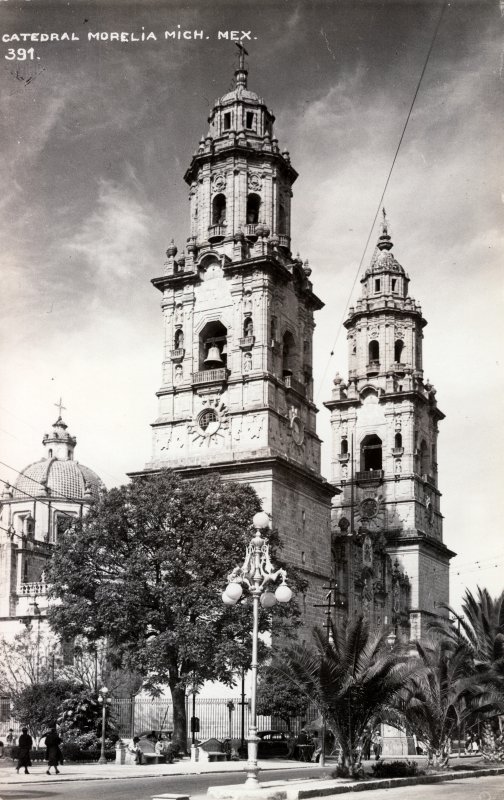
(53, 754)
(25, 744)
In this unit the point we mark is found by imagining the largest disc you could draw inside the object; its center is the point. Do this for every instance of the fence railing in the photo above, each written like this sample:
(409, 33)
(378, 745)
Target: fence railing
(136, 715)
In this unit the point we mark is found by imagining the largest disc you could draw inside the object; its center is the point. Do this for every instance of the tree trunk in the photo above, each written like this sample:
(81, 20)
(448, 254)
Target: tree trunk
(439, 757)
(179, 717)
(490, 749)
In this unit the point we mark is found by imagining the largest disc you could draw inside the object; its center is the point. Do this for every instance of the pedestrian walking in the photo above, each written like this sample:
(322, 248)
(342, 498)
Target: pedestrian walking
(25, 745)
(377, 743)
(53, 754)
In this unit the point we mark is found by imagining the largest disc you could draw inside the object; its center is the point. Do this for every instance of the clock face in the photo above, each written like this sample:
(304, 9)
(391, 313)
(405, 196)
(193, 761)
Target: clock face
(297, 430)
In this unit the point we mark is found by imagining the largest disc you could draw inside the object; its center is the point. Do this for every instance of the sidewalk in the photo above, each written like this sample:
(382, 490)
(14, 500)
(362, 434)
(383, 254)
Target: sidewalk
(111, 771)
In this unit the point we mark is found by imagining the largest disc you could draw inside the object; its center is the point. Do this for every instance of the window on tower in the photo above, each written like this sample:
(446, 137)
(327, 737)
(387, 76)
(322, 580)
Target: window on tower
(394, 284)
(344, 447)
(219, 209)
(398, 440)
(288, 353)
(377, 284)
(424, 458)
(371, 453)
(227, 120)
(398, 349)
(249, 119)
(374, 350)
(253, 206)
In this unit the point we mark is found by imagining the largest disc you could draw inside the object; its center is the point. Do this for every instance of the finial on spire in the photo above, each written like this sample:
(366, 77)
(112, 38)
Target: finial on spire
(241, 73)
(384, 241)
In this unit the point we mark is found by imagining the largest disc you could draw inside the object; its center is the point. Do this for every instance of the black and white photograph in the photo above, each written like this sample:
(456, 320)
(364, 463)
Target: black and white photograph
(251, 380)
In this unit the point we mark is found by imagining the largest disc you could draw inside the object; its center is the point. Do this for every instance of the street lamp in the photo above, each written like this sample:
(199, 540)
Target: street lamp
(256, 574)
(102, 698)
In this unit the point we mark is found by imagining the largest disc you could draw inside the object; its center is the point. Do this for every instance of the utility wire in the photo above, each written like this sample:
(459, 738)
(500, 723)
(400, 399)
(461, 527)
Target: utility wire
(380, 202)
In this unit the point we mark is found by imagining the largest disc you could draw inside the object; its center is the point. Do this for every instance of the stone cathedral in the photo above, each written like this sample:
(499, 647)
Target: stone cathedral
(236, 394)
(237, 388)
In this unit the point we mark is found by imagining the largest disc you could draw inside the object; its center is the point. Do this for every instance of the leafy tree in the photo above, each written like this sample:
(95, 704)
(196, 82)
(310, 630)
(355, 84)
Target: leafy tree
(145, 570)
(444, 694)
(278, 698)
(354, 679)
(481, 631)
(81, 713)
(37, 706)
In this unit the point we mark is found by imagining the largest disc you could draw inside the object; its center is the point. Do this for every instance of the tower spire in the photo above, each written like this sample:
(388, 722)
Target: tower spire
(241, 73)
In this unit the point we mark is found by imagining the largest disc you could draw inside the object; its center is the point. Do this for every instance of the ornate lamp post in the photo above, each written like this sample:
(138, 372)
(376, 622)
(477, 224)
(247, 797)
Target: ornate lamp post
(102, 697)
(256, 574)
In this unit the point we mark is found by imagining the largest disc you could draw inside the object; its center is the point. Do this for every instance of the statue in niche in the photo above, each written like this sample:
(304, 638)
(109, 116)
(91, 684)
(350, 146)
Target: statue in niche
(247, 362)
(179, 339)
(178, 314)
(177, 377)
(247, 301)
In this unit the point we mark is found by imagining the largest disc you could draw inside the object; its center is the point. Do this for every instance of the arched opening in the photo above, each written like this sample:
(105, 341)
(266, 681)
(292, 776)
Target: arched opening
(374, 351)
(179, 340)
(424, 458)
(213, 346)
(398, 440)
(282, 219)
(50, 453)
(253, 206)
(344, 447)
(398, 349)
(248, 327)
(371, 453)
(219, 209)
(288, 354)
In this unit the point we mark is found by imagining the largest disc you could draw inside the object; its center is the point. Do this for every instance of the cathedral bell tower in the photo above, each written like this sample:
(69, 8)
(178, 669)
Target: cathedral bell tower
(384, 424)
(236, 394)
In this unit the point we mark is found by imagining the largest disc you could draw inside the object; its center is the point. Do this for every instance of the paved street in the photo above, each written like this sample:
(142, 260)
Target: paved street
(134, 788)
(142, 788)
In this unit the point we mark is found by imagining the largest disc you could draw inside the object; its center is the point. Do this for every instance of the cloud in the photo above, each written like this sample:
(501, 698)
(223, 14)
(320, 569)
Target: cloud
(111, 241)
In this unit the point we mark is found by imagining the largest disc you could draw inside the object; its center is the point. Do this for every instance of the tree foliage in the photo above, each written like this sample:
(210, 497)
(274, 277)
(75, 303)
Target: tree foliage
(444, 694)
(278, 698)
(145, 570)
(354, 679)
(38, 705)
(479, 631)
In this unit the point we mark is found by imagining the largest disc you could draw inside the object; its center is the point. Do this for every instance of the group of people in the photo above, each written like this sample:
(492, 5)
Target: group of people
(54, 756)
(162, 747)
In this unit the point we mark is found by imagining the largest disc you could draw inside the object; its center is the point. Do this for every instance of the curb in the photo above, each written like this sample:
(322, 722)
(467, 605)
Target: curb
(279, 790)
(392, 783)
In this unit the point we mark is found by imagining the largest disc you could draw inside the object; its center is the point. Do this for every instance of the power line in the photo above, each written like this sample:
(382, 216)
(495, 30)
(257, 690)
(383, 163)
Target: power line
(380, 202)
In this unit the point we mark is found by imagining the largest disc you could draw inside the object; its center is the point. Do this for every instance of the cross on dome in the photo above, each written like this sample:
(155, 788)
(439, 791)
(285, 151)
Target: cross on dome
(60, 407)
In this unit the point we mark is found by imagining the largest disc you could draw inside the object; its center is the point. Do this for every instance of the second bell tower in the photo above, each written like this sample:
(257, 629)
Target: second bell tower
(384, 424)
(236, 394)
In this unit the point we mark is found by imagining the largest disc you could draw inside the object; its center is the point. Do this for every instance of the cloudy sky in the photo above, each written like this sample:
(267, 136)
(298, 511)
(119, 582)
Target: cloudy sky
(96, 136)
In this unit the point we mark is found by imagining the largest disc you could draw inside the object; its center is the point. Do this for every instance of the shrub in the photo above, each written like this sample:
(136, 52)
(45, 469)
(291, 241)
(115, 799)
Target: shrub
(395, 769)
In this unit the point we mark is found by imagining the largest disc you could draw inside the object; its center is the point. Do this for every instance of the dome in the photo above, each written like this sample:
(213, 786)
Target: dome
(63, 478)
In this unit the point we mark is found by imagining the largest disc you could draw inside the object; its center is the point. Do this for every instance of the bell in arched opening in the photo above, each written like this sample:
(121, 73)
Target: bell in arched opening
(213, 359)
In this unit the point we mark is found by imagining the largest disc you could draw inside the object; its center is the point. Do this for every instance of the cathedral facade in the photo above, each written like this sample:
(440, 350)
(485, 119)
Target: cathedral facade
(237, 387)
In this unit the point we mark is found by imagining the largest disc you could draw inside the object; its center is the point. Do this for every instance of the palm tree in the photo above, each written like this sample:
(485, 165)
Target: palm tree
(481, 630)
(443, 694)
(354, 679)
